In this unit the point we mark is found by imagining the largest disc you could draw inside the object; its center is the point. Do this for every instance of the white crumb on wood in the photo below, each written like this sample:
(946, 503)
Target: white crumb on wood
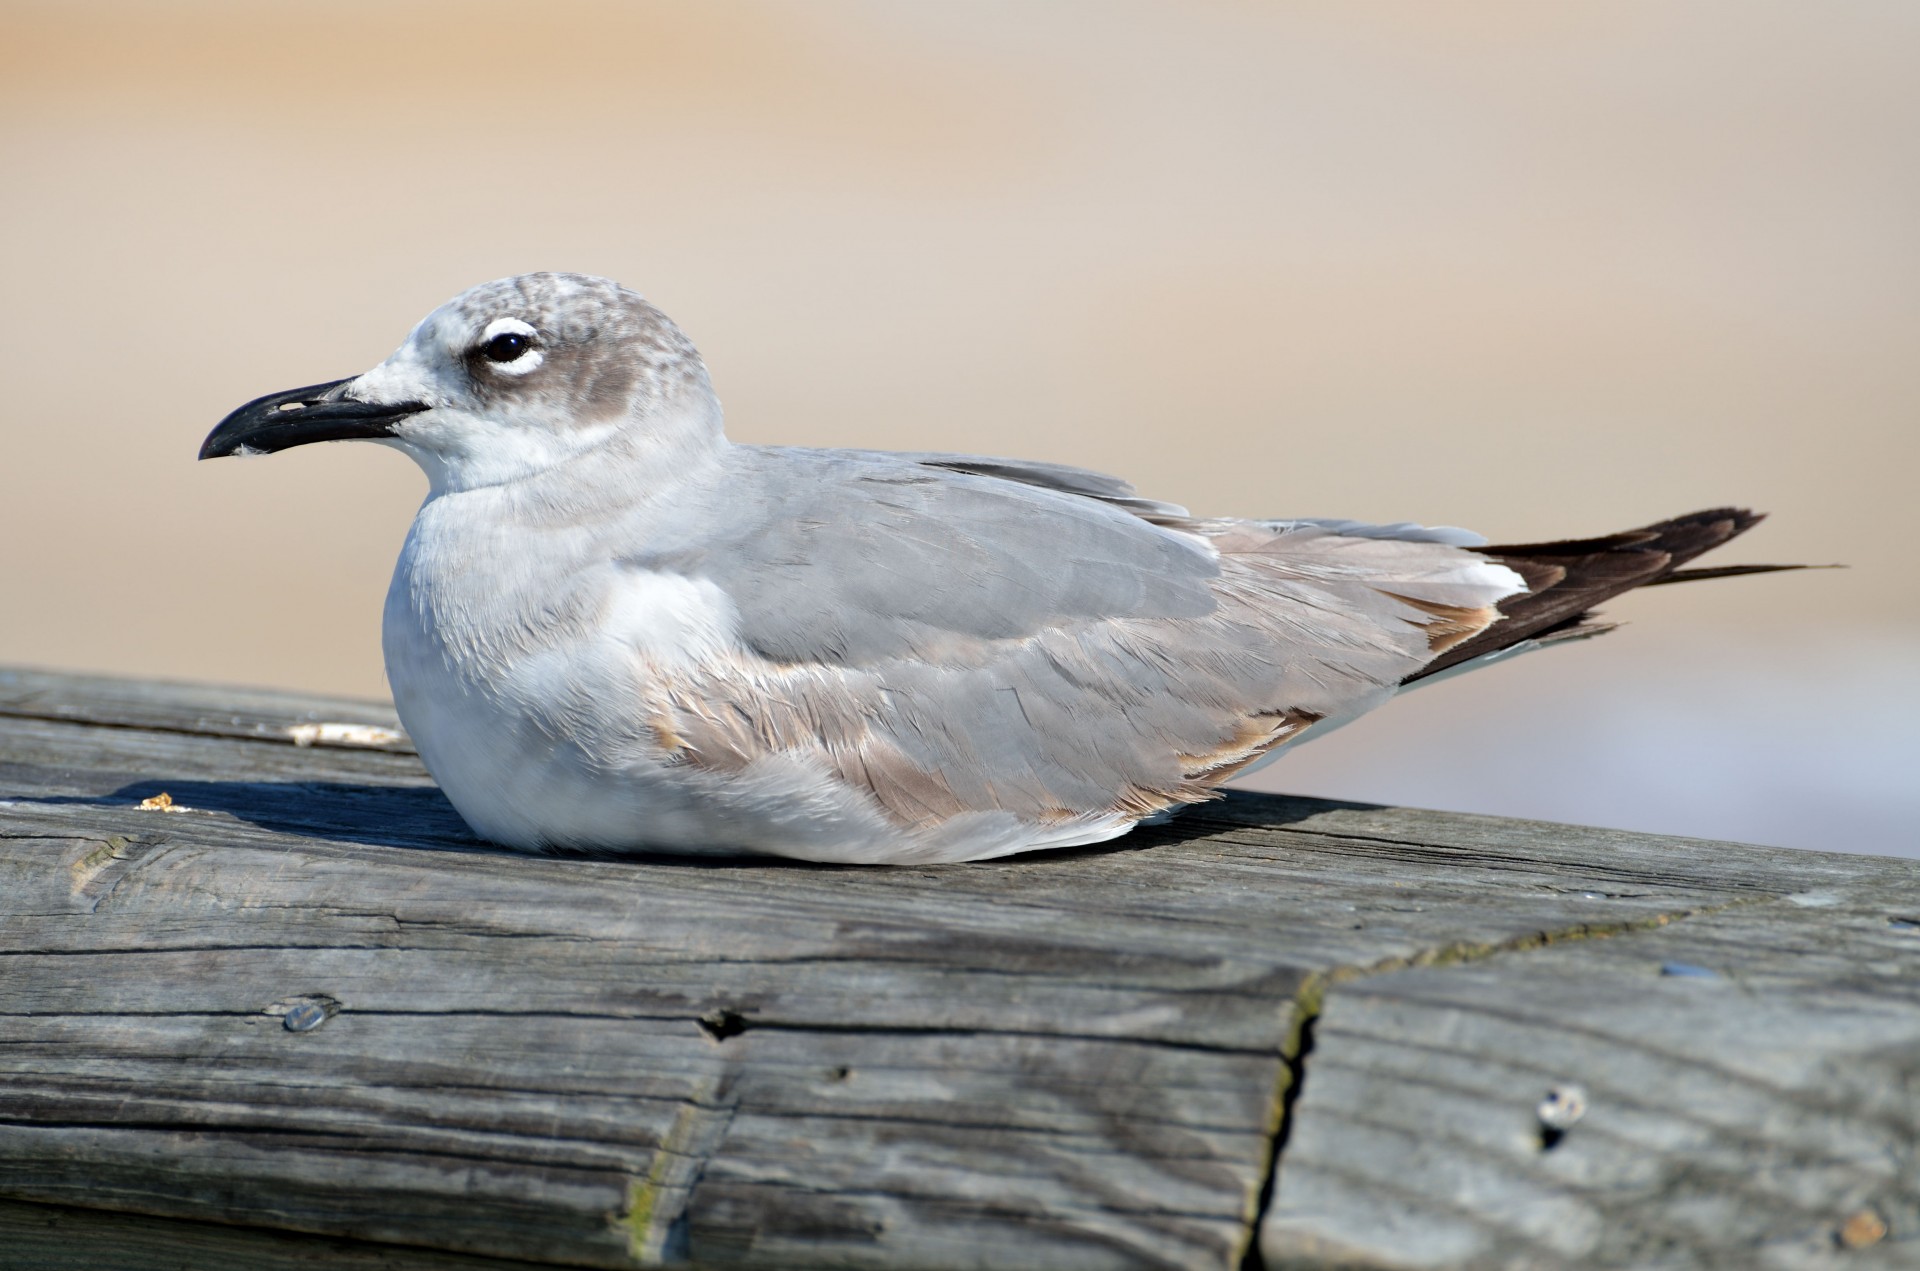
(343, 735)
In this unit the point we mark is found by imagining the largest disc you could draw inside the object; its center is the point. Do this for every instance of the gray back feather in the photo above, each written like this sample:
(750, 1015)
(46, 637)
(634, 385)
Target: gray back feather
(855, 558)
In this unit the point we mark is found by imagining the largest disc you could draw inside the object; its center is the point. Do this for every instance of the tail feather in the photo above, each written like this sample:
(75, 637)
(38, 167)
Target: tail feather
(1566, 580)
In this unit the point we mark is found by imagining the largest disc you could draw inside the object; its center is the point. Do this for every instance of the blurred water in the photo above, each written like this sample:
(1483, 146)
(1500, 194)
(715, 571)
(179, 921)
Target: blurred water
(1798, 743)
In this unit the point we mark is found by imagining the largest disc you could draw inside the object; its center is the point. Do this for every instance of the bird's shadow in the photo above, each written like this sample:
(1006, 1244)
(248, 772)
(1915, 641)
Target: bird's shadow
(420, 818)
(416, 816)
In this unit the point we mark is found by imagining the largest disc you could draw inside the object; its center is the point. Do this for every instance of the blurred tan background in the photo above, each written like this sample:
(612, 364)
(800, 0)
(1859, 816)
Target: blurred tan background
(1537, 269)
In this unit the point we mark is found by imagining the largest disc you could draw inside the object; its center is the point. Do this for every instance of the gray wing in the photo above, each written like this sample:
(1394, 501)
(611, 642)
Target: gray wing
(859, 558)
(1051, 476)
(1001, 663)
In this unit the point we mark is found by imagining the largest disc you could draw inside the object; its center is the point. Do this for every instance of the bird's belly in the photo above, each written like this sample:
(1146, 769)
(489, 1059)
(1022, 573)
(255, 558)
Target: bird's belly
(521, 778)
(519, 787)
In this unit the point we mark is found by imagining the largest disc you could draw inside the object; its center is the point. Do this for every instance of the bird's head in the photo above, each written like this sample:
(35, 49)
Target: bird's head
(501, 382)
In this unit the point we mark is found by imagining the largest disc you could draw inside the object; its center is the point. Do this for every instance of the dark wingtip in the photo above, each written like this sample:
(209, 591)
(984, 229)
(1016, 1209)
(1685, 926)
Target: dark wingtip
(1729, 571)
(1566, 579)
(1683, 536)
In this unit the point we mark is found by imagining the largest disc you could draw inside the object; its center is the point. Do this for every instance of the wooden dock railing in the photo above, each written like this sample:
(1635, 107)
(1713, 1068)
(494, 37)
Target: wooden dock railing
(265, 1003)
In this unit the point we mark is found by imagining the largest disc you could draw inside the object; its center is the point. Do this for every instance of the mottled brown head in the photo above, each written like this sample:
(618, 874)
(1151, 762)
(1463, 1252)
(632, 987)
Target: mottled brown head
(503, 381)
(580, 347)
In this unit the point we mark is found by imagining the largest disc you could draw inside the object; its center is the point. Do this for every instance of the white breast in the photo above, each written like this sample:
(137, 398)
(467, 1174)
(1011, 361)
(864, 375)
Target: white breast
(667, 619)
(510, 667)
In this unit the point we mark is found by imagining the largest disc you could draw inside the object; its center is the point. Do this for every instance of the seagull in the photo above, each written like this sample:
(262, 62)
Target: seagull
(613, 629)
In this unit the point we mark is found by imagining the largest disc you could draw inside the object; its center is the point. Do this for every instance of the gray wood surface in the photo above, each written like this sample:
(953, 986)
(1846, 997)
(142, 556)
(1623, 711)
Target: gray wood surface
(312, 1003)
(1751, 1078)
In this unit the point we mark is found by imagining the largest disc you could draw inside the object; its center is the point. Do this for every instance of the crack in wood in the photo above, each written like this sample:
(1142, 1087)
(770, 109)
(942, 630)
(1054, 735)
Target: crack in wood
(1310, 1001)
(279, 736)
(655, 1216)
(1227, 831)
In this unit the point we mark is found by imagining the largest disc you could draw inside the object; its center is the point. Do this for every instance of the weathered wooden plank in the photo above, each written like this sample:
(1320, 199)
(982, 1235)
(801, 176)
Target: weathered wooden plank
(1075, 1059)
(262, 714)
(1751, 1079)
(546, 1058)
(59, 1237)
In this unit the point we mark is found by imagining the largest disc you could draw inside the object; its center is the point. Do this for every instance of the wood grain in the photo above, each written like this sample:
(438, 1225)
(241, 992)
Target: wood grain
(59, 1237)
(313, 1003)
(1752, 1081)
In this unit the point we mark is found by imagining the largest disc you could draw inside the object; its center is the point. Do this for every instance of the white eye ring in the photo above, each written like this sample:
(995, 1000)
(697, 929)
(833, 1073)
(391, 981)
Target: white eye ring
(530, 358)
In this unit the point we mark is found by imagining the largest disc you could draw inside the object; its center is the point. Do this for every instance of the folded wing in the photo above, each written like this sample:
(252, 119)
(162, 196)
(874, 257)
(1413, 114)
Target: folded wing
(997, 663)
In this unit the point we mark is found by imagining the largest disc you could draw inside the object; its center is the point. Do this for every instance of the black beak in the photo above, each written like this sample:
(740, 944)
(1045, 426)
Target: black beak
(300, 415)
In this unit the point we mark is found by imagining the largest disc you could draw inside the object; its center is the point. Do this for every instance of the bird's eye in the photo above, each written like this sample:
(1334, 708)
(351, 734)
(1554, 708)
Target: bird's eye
(506, 347)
